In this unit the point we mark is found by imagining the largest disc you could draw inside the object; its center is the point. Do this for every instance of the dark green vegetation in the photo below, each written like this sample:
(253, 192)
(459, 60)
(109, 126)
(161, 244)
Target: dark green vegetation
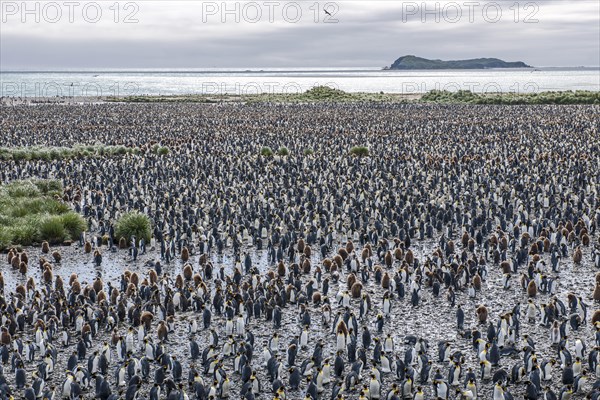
(467, 97)
(32, 211)
(361, 151)
(266, 151)
(413, 62)
(60, 153)
(283, 151)
(133, 224)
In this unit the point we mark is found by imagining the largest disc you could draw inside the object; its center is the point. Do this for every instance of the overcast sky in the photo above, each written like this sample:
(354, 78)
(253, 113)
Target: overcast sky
(196, 34)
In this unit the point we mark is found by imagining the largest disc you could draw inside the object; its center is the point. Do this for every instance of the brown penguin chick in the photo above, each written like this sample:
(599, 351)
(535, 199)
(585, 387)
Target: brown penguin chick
(569, 226)
(343, 253)
(532, 289)
(533, 250)
(451, 246)
(300, 245)
(385, 281)
(339, 260)
(185, 254)
(203, 259)
(597, 277)
(58, 283)
(585, 240)
(57, 257)
(23, 268)
(327, 264)
(471, 245)
(307, 251)
(134, 278)
(30, 284)
(153, 276)
(465, 239)
(179, 281)
(87, 247)
(493, 240)
(316, 298)
(546, 245)
(349, 246)
(5, 337)
(98, 285)
(114, 296)
(356, 290)
(476, 281)
(72, 278)
(350, 280)
(596, 317)
(45, 247)
(20, 290)
(409, 257)
(85, 329)
(15, 262)
(398, 254)
(76, 287)
(196, 278)
(387, 259)
(47, 275)
(364, 254)
(122, 243)
(577, 255)
(535, 258)
(131, 290)
(161, 331)
(1, 281)
(146, 319)
(505, 266)
(101, 297)
(188, 272)
(24, 258)
(306, 266)
(281, 271)
(482, 313)
(10, 256)
(597, 292)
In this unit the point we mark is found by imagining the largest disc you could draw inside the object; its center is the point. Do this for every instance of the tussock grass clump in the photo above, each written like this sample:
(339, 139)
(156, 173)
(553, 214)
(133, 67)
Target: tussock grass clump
(308, 152)
(468, 97)
(283, 151)
(266, 151)
(62, 153)
(361, 151)
(52, 229)
(32, 211)
(133, 224)
(163, 151)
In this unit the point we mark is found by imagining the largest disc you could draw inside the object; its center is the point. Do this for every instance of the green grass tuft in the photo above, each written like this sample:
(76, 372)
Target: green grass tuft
(31, 211)
(361, 151)
(283, 151)
(133, 224)
(266, 151)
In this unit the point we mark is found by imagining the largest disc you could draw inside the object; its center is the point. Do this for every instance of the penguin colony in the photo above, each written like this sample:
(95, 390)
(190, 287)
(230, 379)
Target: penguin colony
(458, 261)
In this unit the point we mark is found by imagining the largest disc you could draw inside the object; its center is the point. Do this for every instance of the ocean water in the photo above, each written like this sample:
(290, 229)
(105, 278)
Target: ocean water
(43, 84)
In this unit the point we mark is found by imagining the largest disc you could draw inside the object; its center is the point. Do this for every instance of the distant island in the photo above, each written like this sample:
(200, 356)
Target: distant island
(413, 62)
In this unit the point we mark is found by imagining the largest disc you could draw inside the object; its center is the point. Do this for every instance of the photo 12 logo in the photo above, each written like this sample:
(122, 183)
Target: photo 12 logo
(470, 11)
(270, 12)
(54, 90)
(52, 12)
